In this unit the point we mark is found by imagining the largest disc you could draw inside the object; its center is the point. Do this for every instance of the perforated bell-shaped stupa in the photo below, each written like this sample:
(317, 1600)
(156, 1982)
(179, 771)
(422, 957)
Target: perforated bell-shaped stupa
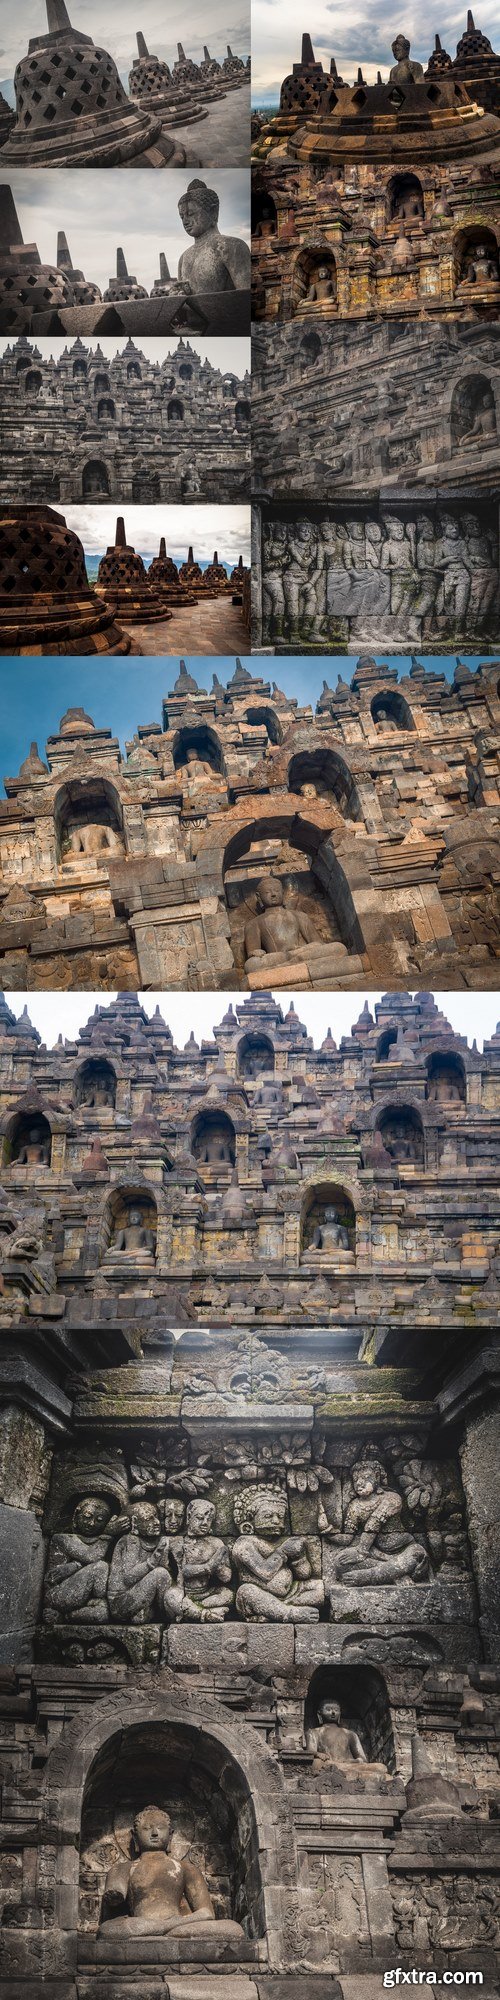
(123, 286)
(72, 109)
(27, 286)
(123, 579)
(163, 574)
(46, 603)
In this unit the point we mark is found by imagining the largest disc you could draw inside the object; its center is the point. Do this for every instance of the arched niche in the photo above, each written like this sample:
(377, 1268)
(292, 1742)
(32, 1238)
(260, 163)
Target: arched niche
(146, 487)
(79, 370)
(390, 711)
(328, 1223)
(213, 1139)
(402, 1132)
(473, 412)
(475, 256)
(185, 1772)
(229, 388)
(242, 414)
(255, 1056)
(265, 718)
(299, 859)
(95, 480)
(361, 1695)
(264, 215)
(27, 1140)
(130, 1226)
(23, 363)
(390, 1035)
(197, 752)
(95, 1084)
(102, 385)
(320, 774)
(88, 821)
(185, 371)
(175, 411)
(133, 372)
(106, 410)
(405, 199)
(446, 1078)
(315, 279)
(33, 382)
(310, 349)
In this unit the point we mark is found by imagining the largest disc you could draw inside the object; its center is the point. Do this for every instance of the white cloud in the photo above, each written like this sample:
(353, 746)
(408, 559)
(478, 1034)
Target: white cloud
(115, 28)
(359, 34)
(226, 529)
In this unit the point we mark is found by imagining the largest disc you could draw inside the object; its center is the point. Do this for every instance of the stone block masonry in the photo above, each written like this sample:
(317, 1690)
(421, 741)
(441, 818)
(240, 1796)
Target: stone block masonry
(245, 841)
(250, 1691)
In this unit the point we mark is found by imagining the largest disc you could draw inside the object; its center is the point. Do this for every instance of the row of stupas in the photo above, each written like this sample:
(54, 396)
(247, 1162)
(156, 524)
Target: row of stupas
(41, 298)
(72, 108)
(48, 606)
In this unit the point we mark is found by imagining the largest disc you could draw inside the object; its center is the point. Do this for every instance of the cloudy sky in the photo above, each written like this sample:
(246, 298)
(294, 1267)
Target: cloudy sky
(131, 692)
(231, 356)
(137, 214)
(114, 28)
(64, 1014)
(358, 34)
(226, 529)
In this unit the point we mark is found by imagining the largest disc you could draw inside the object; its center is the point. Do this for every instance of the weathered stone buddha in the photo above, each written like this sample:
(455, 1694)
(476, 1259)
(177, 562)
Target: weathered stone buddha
(321, 285)
(484, 423)
(92, 839)
(482, 266)
(277, 1581)
(146, 1895)
(331, 1234)
(198, 769)
(215, 263)
(279, 928)
(134, 1238)
(214, 1147)
(34, 1150)
(404, 71)
(331, 1741)
(384, 719)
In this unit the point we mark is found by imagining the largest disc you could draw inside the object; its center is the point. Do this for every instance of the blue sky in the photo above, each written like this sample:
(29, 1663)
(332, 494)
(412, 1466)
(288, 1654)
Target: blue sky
(123, 693)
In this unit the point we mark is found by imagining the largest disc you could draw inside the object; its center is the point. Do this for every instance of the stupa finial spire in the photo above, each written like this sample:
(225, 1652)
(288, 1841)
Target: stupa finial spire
(57, 17)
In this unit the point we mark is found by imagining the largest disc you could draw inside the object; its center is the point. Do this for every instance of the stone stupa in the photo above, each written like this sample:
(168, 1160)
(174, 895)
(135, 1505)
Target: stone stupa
(46, 603)
(152, 85)
(163, 574)
(72, 109)
(123, 579)
(27, 286)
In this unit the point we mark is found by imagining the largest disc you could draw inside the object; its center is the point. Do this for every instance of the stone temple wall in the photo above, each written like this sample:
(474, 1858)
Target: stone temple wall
(83, 427)
(249, 1503)
(376, 500)
(245, 842)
